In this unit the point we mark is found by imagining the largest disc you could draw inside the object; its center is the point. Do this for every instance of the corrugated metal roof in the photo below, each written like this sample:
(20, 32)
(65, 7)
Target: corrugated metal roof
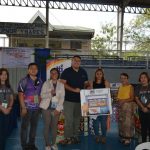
(133, 3)
(72, 28)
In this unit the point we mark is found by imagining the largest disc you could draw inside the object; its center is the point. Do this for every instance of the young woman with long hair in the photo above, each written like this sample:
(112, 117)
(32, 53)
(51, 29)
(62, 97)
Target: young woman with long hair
(6, 102)
(100, 82)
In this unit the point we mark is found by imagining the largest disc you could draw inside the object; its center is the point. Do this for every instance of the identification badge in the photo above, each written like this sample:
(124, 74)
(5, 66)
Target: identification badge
(4, 104)
(54, 102)
(36, 99)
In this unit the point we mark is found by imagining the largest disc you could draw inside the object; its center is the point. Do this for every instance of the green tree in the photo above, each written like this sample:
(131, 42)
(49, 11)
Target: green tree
(139, 32)
(103, 44)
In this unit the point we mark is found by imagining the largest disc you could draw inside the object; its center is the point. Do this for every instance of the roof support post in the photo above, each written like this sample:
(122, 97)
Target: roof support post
(47, 25)
(120, 21)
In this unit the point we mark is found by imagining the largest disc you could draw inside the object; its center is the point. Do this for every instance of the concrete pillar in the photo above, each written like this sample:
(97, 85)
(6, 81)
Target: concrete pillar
(47, 25)
(120, 21)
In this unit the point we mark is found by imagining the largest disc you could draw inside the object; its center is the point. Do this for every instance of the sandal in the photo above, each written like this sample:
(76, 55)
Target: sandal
(127, 142)
(97, 139)
(75, 140)
(103, 140)
(66, 141)
(122, 140)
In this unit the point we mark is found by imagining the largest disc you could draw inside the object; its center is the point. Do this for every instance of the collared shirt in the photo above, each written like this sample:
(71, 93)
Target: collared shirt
(31, 89)
(75, 79)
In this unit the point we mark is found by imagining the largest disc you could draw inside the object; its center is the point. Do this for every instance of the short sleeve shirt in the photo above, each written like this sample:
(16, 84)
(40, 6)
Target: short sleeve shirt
(143, 93)
(75, 79)
(5, 93)
(31, 89)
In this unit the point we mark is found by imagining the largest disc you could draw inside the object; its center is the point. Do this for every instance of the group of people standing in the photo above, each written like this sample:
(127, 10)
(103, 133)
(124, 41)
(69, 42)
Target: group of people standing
(62, 93)
(127, 98)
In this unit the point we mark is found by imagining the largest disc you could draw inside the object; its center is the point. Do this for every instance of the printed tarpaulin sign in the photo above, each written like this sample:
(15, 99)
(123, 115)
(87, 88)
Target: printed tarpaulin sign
(96, 102)
(17, 57)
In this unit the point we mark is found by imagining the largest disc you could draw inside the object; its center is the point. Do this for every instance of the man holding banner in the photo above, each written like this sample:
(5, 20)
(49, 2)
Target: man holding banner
(74, 78)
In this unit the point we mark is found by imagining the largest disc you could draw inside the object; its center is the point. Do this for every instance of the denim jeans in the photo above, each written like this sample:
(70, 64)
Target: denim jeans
(100, 121)
(30, 119)
(4, 126)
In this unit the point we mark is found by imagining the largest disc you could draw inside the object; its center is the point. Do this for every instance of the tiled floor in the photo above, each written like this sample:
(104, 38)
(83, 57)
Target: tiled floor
(87, 143)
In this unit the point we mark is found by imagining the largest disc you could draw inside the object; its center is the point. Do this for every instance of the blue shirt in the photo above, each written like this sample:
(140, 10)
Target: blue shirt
(75, 79)
(30, 89)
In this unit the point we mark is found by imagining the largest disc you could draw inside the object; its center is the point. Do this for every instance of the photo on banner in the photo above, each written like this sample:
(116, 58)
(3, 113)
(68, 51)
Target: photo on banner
(60, 64)
(96, 102)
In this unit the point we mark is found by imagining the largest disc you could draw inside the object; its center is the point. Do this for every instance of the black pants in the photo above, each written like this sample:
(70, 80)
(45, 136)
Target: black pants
(31, 118)
(145, 125)
(4, 129)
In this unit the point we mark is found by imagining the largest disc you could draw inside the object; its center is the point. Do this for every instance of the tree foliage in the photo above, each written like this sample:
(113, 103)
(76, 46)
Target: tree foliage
(139, 32)
(136, 37)
(104, 42)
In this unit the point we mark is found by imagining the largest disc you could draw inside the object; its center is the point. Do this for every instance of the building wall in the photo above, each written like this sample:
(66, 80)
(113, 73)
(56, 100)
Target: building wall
(53, 44)
(65, 45)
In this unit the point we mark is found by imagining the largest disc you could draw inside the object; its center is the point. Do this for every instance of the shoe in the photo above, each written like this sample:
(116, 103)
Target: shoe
(32, 147)
(121, 140)
(25, 147)
(47, 148)
(54, 147)
(127, 142)
(103, 140)
(66, 141)
(75, 140)
(97, 139)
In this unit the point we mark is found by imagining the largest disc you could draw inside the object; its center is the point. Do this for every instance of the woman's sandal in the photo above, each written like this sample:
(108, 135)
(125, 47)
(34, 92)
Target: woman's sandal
(67, 141)
(97, 139)
(127, 142)
(103, 140)
(122, 140)
(75, 140)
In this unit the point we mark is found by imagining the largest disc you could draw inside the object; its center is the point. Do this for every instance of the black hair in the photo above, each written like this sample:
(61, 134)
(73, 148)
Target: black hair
(103, 78)
(32, 64)
(7, 80)
(77, 56)
(146, 74)
(124, 74)
(55, 69)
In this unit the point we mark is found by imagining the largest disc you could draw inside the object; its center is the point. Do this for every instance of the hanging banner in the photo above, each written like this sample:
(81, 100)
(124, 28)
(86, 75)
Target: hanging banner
(28, 29)
(96, 102)
(17, 57)
(59, 63)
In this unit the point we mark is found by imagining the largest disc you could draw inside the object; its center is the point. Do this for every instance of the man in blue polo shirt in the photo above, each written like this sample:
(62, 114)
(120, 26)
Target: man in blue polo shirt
(74, 78)
(29, 90)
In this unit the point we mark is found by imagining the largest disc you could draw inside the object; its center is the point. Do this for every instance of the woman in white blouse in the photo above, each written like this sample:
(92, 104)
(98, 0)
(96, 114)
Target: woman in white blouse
(52, 95)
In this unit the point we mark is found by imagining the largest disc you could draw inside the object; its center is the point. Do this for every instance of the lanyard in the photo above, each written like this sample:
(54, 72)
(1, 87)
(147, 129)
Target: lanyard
(54, 85)
(4, 93)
